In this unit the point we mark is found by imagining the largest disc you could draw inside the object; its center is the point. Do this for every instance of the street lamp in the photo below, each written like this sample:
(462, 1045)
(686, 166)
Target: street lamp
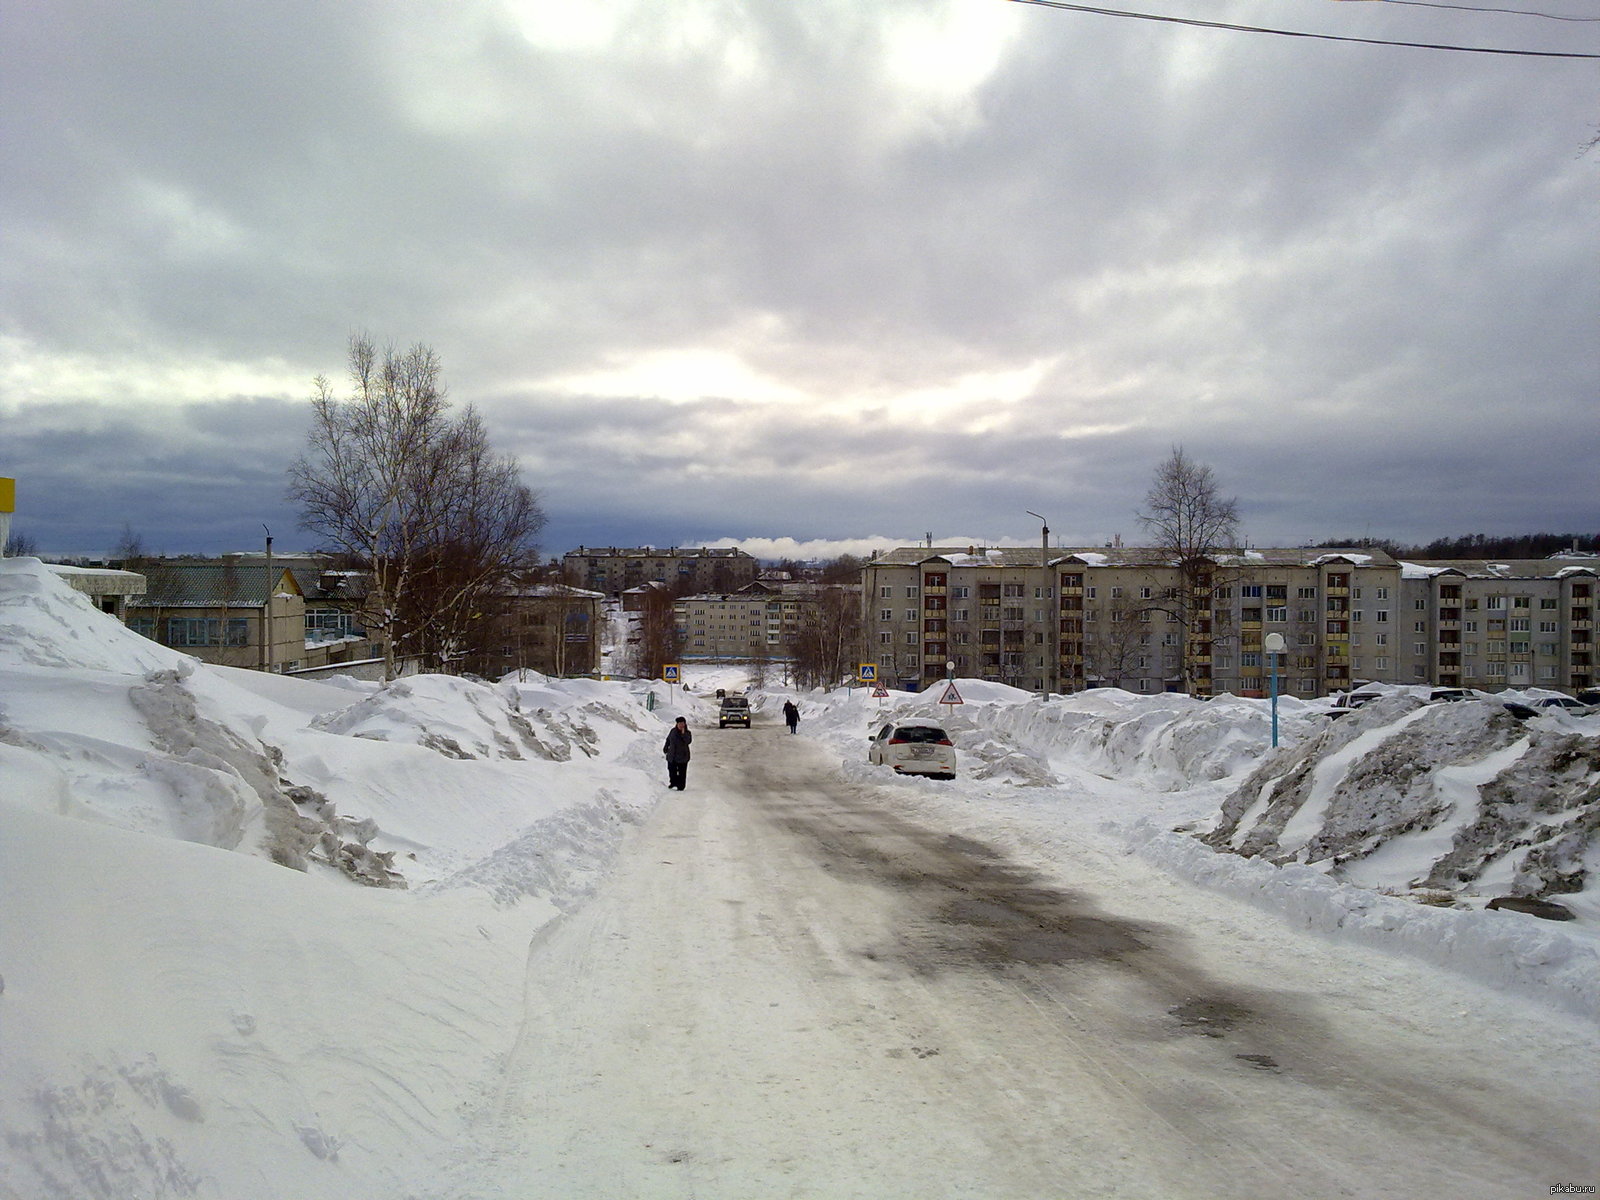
(1052, 678)
(1273, 644)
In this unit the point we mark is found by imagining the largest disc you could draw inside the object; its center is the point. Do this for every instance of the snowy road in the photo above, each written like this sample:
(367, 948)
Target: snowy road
(790, 988)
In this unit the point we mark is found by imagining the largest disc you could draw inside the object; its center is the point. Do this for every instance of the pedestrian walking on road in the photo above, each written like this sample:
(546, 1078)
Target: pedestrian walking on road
(677, 751)
(791, 715)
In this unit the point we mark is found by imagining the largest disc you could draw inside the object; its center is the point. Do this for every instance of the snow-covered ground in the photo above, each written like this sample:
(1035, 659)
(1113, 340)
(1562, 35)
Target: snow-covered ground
(264, 937)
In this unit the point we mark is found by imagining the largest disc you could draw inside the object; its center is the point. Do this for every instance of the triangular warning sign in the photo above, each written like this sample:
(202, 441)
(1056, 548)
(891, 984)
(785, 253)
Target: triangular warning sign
(951, 696)
(880, 692)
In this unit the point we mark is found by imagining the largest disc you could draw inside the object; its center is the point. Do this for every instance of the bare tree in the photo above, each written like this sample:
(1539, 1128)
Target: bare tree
(1188, 522)
(392, 478)
(20, 545)
(130, 553)
(827, 644)
(1113, 646)
(659, 643)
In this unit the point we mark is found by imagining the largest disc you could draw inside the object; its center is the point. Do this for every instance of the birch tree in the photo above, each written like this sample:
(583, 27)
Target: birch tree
(1189, 522)
(391, 478)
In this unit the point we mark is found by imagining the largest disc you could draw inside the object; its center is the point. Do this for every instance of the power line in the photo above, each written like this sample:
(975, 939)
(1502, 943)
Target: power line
(1514, 12)
(1295, 33)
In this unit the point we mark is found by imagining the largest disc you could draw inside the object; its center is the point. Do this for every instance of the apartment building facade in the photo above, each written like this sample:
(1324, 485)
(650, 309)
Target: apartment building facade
(614, 570)
(759, 621)
(1492, 625)
(1122, 617)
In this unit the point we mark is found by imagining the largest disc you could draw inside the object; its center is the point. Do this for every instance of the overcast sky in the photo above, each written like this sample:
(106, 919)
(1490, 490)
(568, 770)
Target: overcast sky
(837, 271)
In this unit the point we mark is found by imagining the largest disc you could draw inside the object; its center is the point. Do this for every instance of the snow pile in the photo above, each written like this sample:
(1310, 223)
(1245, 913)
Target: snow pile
(179, 1008)
(1445, 800)
(463, 718)
(44, 623)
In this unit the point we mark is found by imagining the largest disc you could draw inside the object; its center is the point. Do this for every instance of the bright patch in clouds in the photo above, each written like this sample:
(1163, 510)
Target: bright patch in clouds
(681, 376)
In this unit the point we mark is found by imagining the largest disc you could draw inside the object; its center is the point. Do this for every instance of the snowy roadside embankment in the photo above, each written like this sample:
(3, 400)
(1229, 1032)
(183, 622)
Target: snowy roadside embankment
(182, 1015)
(1393, 825)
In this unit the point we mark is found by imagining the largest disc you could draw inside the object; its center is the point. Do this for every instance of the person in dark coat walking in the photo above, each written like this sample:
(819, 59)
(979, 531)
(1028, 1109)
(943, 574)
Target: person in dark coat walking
(791, 715)
(677, 751)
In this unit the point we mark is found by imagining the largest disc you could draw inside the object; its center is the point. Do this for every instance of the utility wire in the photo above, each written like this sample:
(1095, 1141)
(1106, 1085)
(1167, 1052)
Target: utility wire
(1295, 33)
(1514, 12)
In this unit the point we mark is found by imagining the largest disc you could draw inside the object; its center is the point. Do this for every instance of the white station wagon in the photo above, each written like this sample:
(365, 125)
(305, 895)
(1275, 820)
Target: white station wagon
(913, 748)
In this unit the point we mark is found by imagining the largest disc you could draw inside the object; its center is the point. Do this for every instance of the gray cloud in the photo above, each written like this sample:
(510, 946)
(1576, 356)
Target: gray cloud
(1357, 281)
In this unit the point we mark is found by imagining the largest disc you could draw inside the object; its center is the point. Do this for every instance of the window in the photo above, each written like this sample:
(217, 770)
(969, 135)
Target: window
(1089, 592)
(1547, 602)
(1419, 648)
(1042, 593)
(1522, 602)
(1383, 639)
(1277, 614)
(911, 614)
(1520, 624)
(1305, 593)
(206, 631)
(1383, 615)
(911, 592)
(1380, 663)
(1144, 593)
(1250, 658)
(1250, 591)
(1547, 626)
(960, 593)
(885, 638)
(1382, 593)
(886, 614)
(911, 637)
(885, 592)
(1494, 602)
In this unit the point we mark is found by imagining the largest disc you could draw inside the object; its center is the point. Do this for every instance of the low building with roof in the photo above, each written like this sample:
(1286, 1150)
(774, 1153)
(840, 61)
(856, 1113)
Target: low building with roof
(234, 614)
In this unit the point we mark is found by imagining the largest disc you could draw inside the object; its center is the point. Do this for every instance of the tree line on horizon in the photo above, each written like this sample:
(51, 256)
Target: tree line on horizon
(1475, 546)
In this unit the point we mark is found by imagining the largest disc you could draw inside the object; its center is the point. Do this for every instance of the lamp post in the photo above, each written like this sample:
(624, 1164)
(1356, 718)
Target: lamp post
(1274, 645)
(1052, 671)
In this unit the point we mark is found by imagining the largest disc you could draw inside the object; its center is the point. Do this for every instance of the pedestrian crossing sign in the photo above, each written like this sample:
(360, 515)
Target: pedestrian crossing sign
(670, 673)
(868, 673)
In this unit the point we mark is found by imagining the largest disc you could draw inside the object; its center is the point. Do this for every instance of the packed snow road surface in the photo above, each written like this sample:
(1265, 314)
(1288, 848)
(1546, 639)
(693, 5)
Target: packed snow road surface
(788, 988)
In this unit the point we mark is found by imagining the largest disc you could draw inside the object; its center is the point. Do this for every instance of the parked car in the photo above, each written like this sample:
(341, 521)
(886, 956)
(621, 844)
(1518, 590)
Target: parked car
(1589, 696)
(1450, 695)
(734, 710)
(1347, 701)
(913, 748)
(1563, 702)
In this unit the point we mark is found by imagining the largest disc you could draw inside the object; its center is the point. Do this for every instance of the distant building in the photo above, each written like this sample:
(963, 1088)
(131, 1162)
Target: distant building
(219, 613)
(111, 590)
(614, 571)
(759, 621)
(548, 628)
(1508, 624)
(1071, 619)
(1104, 617)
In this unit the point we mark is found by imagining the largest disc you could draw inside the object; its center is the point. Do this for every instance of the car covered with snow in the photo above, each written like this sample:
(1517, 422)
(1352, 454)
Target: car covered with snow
(913, 747)
(1348, 701)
